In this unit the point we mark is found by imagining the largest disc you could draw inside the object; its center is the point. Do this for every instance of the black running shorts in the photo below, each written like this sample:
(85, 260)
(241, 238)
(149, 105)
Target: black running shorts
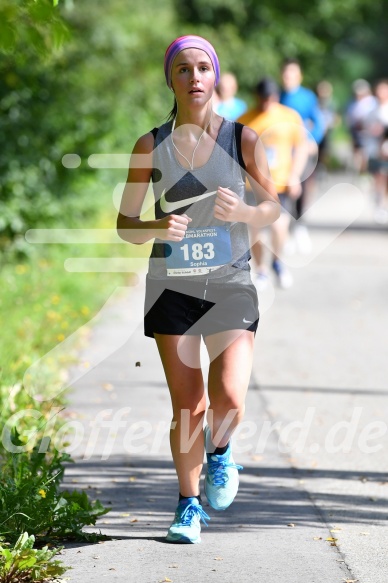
(199, 308)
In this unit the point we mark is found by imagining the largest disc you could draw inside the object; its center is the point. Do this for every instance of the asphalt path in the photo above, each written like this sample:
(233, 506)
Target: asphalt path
(312, 504)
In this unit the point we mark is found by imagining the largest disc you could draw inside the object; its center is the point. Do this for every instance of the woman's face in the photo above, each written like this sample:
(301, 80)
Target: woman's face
(192, 77)
(291, 76)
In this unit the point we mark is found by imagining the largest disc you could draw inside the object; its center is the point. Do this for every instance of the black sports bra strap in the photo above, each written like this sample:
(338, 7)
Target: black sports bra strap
(156, 174)
(238, 127)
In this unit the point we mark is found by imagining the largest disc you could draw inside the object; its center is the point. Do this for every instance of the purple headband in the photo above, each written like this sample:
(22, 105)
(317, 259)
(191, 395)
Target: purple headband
(190, 41)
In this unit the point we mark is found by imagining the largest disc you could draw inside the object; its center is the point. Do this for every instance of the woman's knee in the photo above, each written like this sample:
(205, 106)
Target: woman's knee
(194, 404)
(225, 403)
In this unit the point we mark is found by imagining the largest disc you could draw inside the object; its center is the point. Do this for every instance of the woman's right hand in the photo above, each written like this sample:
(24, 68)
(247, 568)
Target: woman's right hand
(172, 227)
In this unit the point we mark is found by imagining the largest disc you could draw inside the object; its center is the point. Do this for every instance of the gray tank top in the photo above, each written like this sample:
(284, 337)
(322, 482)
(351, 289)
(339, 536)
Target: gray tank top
(179, 190)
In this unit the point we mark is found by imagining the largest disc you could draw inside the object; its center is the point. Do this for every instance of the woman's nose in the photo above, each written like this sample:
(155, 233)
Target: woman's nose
(194, 75)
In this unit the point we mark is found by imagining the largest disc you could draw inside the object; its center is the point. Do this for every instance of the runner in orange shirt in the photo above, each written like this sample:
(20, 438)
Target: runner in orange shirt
(282, 133)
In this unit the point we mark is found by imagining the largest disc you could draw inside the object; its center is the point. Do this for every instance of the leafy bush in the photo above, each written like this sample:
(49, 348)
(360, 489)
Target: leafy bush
(31, 500)
(24, 564)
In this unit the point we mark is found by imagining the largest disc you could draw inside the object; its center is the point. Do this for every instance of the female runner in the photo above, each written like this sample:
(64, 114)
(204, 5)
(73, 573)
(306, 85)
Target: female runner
(198, 282)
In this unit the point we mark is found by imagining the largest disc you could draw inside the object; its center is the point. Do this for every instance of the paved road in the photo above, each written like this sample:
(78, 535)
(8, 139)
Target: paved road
(313, 442)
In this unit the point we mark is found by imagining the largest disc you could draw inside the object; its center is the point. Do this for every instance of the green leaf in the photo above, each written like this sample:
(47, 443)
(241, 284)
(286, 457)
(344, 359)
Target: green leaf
(6, 554)
(26, 563)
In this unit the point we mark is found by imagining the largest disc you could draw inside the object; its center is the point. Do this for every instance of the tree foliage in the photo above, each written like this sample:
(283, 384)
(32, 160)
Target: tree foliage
(256, 36)
(93, 94)
(37, 23)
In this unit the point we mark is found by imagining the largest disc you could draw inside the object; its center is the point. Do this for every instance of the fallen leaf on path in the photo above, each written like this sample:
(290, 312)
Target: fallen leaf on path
(218, 559)
(331, 539)
(365, 533)
(350, 580)
(132, 479)
(134, 520)
(166, 579)
(112, 569)
(125, 514)
(336, 530)
(291, 524)
(317, 538)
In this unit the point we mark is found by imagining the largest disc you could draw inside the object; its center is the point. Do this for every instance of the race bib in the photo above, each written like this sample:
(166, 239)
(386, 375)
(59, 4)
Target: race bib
(201, 250)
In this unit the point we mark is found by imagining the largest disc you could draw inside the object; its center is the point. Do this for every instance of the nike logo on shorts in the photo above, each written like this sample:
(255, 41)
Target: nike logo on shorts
(247, 321)
(169, 207)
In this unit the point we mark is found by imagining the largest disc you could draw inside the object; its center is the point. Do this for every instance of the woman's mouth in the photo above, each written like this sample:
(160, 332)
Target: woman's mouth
(196, 90)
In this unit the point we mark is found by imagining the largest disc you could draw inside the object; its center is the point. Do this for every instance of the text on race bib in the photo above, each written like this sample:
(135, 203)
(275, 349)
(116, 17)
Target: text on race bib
(202, 250)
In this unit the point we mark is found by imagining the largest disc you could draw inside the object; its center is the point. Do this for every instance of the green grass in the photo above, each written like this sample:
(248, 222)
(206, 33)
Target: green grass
(41, 303)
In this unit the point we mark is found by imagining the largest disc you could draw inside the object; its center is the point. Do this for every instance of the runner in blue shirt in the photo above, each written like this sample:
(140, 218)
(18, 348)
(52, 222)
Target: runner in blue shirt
(305, 102)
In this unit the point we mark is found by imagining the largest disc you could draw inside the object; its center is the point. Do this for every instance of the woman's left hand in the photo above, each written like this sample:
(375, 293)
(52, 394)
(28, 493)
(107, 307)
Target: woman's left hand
(228, 206)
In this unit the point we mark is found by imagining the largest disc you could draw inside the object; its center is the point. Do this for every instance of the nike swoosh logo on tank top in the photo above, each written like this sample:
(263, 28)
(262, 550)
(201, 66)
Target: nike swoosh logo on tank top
(187, 184)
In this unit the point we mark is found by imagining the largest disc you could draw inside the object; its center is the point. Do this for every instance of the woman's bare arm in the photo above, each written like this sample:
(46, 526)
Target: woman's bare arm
(129, 225)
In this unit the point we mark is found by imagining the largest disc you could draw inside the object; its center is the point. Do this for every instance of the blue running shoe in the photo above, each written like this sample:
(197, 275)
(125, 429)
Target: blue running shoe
(186, 526)
(221, 481)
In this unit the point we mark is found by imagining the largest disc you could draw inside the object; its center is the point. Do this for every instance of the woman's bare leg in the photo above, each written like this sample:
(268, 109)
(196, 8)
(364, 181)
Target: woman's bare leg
(189, 404)
(231, 355)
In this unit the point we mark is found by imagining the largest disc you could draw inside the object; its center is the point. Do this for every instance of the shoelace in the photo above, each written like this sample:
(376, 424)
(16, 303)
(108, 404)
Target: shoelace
(216, 469)
(189, 512)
